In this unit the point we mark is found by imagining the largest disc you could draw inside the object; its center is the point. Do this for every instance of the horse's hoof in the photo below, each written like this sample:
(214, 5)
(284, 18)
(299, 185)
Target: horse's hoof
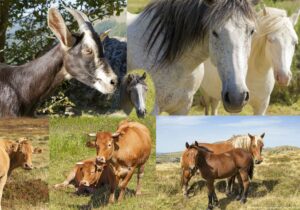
(243, 200)
(238, 198)
(210, 207)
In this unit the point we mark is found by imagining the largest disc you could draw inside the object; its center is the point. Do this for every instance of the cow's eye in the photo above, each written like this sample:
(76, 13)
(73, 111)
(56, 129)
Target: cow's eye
(87, 51)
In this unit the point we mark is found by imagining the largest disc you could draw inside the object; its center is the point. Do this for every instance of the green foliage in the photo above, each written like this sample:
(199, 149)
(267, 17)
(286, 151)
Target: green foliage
(28, 33)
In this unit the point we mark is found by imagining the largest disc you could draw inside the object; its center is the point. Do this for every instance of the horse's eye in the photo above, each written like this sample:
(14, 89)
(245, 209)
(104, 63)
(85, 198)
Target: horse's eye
(215, 34)
(109, 145)
(252, 32)
(87, 51)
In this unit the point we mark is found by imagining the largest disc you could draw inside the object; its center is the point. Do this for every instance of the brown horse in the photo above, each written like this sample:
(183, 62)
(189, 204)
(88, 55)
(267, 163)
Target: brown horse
(236, 162)
(251, 143)
(126, 150)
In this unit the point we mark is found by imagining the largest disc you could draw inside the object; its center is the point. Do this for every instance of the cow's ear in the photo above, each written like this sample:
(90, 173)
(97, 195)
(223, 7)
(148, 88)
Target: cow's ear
(91, 144)
(187, 145)
(37, 150)
(14, 147)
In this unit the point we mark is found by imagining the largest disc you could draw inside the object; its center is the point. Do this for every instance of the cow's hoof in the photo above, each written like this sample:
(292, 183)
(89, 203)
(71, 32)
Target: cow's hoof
(238, 197)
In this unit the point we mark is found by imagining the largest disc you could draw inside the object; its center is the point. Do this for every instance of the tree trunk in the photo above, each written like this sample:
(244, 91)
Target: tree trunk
(4, 10)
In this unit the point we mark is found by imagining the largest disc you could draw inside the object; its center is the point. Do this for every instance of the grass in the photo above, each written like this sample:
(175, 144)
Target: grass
(27, 189)
(68, 137)
(275, 184)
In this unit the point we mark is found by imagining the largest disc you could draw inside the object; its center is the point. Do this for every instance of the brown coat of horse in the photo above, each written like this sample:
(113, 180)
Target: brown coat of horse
(88, 176)
(127, 149)
(14, 154)
(236, 162)
(188, 158)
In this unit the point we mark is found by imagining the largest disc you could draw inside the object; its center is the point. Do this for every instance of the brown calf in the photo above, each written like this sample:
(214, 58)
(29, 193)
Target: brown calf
(127, 149)
(88, 176)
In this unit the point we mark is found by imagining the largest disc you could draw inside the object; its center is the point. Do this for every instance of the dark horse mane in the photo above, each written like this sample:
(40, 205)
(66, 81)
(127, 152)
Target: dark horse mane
(186, 22)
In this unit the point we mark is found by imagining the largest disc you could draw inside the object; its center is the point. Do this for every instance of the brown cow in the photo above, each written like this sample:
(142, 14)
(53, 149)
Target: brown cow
(88, 176)
(13, 154)
(127, 149)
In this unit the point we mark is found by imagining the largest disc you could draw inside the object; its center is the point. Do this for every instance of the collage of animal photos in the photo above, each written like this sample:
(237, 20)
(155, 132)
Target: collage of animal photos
(149, 104)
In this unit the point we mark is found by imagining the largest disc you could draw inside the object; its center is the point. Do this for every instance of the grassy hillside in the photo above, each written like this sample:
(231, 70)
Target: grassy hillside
(275, 184)
(68, 137)
(27, 189)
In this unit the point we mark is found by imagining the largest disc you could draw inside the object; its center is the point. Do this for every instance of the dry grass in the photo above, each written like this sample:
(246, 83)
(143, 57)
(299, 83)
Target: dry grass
(275, 185)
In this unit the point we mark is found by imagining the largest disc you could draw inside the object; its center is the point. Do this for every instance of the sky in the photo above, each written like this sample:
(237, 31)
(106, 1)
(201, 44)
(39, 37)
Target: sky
(172, 131)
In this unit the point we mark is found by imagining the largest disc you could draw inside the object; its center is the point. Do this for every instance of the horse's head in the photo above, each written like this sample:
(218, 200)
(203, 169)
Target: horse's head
(256, 146)
(188, 161)
(83, 54)
(281, 42)
(137, 91)
(230, 39)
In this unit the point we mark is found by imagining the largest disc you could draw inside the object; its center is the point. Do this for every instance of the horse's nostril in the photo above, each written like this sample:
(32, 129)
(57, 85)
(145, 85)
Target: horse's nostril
(226, 98)
(247, 96)
(113, 82)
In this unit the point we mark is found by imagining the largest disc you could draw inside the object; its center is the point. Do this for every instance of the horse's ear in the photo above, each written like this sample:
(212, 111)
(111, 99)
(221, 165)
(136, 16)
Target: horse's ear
(251, 137)
(187, 145)
(143, 76)
(129, 78)
(57, 25)
(262, 135)
(196, 143)
(294, 17)
(209, 2)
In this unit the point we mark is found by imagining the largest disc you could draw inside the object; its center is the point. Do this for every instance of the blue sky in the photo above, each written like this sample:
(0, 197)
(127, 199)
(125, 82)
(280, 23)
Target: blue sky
(172, 132)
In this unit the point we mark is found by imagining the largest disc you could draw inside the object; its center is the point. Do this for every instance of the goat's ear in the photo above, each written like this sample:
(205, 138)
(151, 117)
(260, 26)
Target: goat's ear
(91, 144)
(57, 25)
(187, 145)
(295, 17)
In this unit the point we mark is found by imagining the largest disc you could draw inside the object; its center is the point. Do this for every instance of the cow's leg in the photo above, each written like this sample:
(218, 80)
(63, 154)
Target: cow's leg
(69, 179)
(123, 183)
(3, 180)
(112, 187)
(140, 174)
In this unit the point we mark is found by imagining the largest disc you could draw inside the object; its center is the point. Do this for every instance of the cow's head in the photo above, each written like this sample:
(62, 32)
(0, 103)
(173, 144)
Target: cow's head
(23, 153)
(105, 144)
(91, 172)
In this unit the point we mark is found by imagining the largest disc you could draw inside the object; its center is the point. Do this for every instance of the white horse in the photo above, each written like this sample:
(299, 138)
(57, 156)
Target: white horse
(272, 51)
(170, 39)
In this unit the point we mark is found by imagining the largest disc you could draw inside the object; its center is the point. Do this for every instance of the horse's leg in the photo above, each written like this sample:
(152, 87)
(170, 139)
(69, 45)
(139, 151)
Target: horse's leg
(140, 174)
(123, 184)
(215, 199)
(260, 106)
(186, 177)
(215, 103)
(245, 180)
(229, 185)
(210, 187)
(240, 191)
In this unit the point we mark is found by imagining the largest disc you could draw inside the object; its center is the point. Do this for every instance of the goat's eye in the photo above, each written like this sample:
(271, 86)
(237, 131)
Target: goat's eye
(215, 34)
(87, 51)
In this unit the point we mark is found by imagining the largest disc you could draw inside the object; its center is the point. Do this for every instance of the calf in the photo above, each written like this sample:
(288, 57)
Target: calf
(127, 149)
(14, 154)
(87, 176)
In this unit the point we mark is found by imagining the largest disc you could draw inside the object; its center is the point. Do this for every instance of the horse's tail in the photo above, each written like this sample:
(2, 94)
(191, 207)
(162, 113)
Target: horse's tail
(251, 170)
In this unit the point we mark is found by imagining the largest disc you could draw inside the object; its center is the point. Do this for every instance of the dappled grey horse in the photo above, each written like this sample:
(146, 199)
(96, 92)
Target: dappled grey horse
(78, 56)
(133, 94)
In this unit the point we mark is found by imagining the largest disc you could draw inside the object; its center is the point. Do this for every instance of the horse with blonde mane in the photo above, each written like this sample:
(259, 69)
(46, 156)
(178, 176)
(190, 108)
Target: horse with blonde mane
(170, 39)
(272, 51)
(251, 143)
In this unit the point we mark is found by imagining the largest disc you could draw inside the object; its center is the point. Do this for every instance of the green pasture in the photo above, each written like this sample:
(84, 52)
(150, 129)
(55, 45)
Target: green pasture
(68, 137)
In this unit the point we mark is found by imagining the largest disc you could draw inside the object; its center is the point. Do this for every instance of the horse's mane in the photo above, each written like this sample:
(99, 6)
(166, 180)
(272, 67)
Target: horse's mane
(268, 23)
(182, 23)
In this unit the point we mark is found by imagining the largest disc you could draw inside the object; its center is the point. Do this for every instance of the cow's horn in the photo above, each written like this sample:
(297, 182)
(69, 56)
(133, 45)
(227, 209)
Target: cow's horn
(92, 134)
